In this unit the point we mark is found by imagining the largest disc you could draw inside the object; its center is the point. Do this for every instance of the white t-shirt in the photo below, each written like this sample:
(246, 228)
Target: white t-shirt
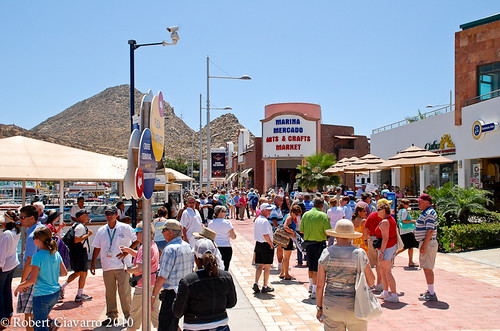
(221, 227)
(124, 235)
(191, 220)
(335, 214)
(262, 227)
(75, 209)
(8, 250)
(80, 230)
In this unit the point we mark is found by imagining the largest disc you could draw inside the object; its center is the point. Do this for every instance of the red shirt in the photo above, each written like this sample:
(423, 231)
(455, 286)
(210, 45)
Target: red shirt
(372, 222)
(392, 232)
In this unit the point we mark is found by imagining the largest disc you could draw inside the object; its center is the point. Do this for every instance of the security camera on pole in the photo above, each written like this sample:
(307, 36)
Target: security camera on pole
(146, 146)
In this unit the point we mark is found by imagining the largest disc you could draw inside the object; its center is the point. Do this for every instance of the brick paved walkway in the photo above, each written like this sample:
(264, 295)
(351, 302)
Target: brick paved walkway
(469, 294)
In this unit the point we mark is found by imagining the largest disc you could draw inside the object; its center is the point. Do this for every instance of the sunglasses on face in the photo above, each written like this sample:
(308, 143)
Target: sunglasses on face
(109, 214)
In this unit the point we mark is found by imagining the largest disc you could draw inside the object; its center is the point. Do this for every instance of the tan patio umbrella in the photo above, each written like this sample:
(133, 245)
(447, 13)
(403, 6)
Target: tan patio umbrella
(414, 156)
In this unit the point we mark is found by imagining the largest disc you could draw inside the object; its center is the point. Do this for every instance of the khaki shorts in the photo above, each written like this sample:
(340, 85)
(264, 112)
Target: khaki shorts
(428, 259)
(372, 253)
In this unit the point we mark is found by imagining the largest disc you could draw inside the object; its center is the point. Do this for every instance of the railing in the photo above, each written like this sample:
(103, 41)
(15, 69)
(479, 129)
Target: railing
(482, 97)
(409, 120)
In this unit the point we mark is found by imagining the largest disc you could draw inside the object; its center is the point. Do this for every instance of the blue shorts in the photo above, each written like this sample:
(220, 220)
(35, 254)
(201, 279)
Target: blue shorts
(390, 253)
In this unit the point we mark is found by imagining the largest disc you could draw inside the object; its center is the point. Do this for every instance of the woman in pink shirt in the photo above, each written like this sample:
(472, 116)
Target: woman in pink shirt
(136, 270)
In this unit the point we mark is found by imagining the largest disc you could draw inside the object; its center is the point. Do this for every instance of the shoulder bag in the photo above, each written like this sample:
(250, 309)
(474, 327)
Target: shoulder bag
(281, 237)
(366, 306)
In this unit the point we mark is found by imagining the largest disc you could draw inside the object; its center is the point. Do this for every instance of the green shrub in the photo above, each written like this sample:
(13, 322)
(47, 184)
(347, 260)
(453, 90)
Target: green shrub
(468, 236)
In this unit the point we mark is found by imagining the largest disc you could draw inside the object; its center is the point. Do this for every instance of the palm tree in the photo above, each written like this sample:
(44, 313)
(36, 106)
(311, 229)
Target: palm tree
(456, 203)
(312, 174)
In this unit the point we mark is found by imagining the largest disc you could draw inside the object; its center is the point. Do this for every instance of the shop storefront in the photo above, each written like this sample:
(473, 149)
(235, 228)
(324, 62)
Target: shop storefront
(290, 132)
(475, 150)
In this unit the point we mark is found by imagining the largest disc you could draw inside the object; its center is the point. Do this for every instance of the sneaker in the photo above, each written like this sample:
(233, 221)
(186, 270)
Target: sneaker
(83, 297)
(428, 297)
(312, 295)
(392, 298)
(381, 296)
(378, 287)
(256, 288)
(267, 289)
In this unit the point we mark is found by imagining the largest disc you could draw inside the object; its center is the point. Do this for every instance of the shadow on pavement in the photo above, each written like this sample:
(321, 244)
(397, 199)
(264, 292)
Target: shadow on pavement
(437, 305)
(309, 301)
(394, 305)
(264, 296)
(68, 305)
(411, 268)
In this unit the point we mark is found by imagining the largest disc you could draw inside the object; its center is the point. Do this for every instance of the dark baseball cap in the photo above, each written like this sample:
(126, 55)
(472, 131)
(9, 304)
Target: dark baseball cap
(81, 212)
(111, 210)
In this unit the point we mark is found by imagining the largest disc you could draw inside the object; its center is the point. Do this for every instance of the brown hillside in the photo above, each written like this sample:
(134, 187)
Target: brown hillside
(101, 124)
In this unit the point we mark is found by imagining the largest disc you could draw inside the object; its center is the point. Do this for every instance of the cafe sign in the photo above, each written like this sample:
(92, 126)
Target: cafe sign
(444, 146)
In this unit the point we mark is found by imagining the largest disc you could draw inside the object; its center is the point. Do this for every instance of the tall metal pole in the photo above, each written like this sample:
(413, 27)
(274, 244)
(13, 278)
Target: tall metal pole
(209, 156)
(132, 44)
(192, 161)
(201, 154)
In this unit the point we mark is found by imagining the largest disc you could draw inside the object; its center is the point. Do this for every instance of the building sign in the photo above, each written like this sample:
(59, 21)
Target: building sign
(444, 147)
(288, 136)
(476, 175)
(479, 128)
(219, 164)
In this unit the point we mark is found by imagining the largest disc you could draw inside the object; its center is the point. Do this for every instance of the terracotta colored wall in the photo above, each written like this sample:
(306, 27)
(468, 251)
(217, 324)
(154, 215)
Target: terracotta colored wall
(259, 165)
(309, 109)
(473, 47)
(343, 148)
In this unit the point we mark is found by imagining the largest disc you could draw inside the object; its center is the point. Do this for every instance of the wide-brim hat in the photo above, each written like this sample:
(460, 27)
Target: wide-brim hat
(53, 215)
(344, 229)
(205, 233)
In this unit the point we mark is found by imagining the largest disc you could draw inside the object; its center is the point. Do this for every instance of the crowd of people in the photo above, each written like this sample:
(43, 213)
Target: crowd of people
(191, 252)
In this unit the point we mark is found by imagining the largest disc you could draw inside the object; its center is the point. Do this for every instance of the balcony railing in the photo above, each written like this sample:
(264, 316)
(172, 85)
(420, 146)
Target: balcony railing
(409, 120)
(482, 97)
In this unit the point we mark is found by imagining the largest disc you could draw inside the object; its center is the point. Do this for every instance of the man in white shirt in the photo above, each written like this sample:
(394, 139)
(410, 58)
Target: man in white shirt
(335, 214)
(107, 244)
(264, 247)
(191, 222)
(76, 208)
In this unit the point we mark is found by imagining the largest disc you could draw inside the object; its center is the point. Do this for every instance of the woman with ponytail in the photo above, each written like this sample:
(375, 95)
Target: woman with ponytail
(204, 295)
(46, 267)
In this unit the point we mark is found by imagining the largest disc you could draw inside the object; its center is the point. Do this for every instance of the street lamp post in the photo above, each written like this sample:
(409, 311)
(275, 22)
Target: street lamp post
(448, 105)
(146, 268)
(201, 141)
(133, 46)
(209, 163)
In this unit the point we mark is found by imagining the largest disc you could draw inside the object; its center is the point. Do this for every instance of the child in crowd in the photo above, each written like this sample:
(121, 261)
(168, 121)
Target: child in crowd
(46, 267)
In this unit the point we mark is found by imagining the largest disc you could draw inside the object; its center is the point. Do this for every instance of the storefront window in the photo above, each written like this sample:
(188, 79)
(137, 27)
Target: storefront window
(443, 173)
(489, 80)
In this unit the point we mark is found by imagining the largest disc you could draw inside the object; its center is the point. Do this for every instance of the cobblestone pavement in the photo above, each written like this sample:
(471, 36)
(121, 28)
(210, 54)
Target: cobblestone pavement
(468, 292)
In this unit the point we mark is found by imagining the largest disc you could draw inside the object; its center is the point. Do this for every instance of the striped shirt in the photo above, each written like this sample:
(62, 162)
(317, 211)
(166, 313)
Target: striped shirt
(176, 262)
(428, 220)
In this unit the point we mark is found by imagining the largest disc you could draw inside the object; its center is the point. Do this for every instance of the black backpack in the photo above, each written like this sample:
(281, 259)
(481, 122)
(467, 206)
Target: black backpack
(69, 237)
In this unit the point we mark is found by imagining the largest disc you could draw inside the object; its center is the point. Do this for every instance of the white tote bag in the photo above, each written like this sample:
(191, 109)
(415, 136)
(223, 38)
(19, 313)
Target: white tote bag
(366, 306)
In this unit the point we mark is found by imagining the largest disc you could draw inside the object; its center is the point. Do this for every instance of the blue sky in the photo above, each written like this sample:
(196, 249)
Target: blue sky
(367, 63)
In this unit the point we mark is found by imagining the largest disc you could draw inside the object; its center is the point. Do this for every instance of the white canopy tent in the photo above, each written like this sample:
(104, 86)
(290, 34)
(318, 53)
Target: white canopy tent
(30, 159)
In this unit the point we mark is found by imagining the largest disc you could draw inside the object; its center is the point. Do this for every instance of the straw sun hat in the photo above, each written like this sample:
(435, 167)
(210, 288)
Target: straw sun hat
(344, 229)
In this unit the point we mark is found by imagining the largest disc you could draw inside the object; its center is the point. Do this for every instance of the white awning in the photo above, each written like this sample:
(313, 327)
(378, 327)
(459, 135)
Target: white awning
(232, 176)
(176, 176)
(245, 172)
(30, 159)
